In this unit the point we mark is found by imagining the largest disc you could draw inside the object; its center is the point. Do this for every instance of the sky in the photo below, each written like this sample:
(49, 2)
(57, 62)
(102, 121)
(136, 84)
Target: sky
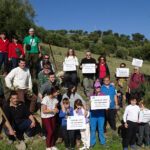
(122, 16)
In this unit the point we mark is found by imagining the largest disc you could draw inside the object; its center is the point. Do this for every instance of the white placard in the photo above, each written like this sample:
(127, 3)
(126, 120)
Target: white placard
(100, 102)
(76, 123)
(88, 68)
(145, 116)
(122, 72)
(137, 62)
(69, 67)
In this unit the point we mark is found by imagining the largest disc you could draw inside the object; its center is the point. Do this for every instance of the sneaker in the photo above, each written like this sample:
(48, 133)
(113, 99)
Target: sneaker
(134, 147)
(125, 148)
(48, 148)
(54, 148)
(82, 148)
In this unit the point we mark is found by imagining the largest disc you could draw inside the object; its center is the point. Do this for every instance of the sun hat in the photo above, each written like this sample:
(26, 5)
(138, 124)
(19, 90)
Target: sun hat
(97, 84)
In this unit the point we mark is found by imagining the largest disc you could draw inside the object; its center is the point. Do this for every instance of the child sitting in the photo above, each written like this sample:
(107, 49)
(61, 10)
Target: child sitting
(85, 134)
(68, 135)
(130, 118)
(143, 125)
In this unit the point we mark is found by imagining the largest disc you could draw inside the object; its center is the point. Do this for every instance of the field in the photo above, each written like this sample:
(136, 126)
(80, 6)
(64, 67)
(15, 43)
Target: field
(113, 141)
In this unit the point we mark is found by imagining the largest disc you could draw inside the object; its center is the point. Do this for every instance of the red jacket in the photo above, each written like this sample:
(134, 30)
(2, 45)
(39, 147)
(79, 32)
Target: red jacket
(4, 46)
(12, 51)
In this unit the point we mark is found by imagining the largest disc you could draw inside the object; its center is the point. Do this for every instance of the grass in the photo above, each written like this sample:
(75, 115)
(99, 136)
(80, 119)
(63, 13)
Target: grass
(113, 141)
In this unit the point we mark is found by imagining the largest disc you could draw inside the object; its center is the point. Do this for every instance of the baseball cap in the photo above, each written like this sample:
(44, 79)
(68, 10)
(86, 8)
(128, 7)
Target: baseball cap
(97, 84)
(31, 30)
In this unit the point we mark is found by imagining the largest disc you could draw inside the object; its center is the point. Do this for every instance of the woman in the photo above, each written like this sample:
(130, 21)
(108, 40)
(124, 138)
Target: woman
(102, 69)
(70, 77)
(72, 95)
(97, 116)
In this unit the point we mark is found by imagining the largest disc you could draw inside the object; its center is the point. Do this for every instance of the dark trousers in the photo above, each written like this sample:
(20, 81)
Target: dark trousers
(15, 62)
(23, 127)
(68, 137)
(50, 126)
(143, 134)
(130, 134)
(110, 117)
(70, 77)
(4, 59)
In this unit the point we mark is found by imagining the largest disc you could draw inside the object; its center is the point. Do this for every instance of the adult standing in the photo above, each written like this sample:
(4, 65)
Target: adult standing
(136, 84)
(4, 46)
(32, 51)
(102, 69)
(110, 116)
(20, 79)
(88, 78)
(70, 77)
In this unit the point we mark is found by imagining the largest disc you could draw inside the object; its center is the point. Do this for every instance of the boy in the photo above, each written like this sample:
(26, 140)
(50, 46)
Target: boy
(143, 126)
(68, 135)
(130, 118)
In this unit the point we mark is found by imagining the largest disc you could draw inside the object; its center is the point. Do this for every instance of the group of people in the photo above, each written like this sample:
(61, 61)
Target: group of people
(56, 107)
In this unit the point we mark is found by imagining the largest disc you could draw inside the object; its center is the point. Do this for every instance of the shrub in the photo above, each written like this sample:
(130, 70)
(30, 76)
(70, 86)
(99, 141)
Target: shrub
(122, 53)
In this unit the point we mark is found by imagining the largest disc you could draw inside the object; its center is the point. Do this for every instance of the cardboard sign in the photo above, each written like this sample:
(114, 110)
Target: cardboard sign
(88, 68)
(100, 102)
(69, 67)
(122, 72)
(137, 62)
(76, 123)
(145, 116)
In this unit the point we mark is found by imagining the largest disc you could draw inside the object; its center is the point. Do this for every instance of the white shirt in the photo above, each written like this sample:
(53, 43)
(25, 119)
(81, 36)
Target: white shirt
(144, 115)
(51, 104)
(21, 78)
(72, 60)
(131, 113)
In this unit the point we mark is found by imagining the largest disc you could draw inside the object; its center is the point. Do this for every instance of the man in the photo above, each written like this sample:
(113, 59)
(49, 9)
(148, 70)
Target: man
(21, 120)
(4, 44)
(20, 80)
(48, 85)
(46, 61)
(32, 51)
(108, 89)
(88, 78)
(136, 84)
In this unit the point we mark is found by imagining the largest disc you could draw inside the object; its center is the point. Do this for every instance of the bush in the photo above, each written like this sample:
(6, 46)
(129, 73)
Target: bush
(122, 53)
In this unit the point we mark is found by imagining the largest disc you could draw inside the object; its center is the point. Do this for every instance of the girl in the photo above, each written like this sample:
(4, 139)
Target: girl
(68, 135)
(15, 52)
(143, 126)
(70, 77)
(102, 69)
(97, 116)
(130, 118)
(49, 110)
(85, 134)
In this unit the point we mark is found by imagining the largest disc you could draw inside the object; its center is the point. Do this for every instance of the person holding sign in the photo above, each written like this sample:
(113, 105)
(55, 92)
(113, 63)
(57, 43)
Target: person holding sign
(143, 125)
(68, 135)
(130, 118)
(110, 115)
(88, 78)
(79, 110)
(102, 69)
(70, 76)
(136, 84)
(15, 52)
(97, 117)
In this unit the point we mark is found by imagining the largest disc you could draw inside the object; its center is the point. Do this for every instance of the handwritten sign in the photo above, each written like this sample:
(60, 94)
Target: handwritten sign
(69, 67)
(145, 116)
(88, 68)
(76, 123)
(137, 62)
(122, 72)
(100, 102)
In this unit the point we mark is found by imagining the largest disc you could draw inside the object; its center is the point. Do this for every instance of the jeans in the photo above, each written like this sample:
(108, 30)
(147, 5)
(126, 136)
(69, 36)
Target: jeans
(4, 59)
(68, 137)
(15, 62)
(20, 129)
(94, 119)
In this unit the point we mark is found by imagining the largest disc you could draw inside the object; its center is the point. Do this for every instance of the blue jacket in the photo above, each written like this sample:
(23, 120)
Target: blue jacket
(62, 115)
